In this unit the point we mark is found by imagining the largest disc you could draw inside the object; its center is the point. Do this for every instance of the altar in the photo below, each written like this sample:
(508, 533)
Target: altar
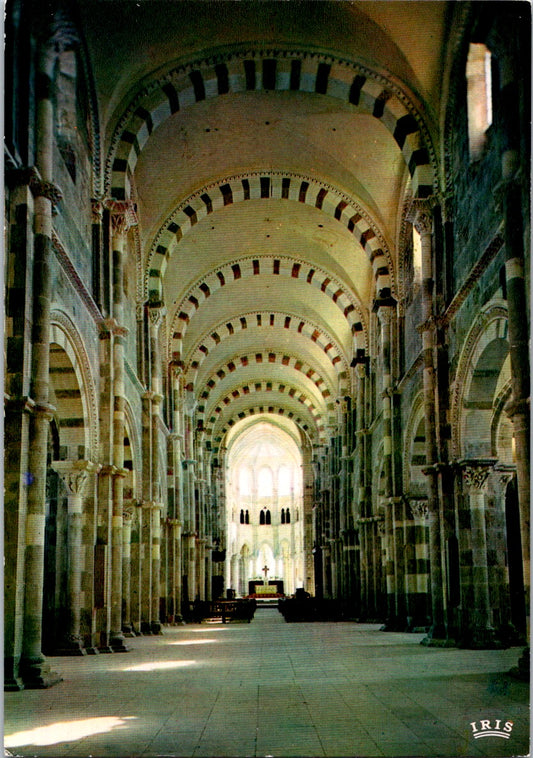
(259, 588)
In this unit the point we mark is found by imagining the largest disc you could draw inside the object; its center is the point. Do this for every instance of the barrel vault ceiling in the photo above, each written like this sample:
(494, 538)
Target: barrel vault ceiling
(264, 186)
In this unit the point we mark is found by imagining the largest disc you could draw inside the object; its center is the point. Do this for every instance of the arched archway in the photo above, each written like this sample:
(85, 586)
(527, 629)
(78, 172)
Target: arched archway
(256, 456)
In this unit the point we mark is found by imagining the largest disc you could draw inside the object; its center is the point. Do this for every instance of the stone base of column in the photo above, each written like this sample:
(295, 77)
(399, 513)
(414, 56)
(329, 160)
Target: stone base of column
(71, 646)
(92, 651)
(127, 631)
(437, 637)
(156, 627)
(146, 627)
(118, 645)
(481, 638)
(522, 670)
(37, 675)
(12, 681)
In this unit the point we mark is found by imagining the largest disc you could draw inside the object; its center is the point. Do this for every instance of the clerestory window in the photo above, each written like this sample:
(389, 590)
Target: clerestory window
(479, 97)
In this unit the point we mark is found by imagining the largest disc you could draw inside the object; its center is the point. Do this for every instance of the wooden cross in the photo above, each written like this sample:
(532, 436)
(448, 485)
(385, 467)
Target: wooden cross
(265, 572)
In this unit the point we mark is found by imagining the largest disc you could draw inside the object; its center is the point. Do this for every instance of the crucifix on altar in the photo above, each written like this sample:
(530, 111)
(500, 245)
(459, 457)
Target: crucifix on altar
(265, 572)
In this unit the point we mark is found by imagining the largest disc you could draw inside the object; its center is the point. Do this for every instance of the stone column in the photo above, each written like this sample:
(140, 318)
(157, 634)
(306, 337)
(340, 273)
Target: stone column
(146, 567)
(34, 670)
(127, 521)
(74, 475)
(136, 568)
(423, 221)
(156, 566)
(156, 314)
(416, 580)
(512, 192)
(385, 312)
(123, 217)
(480, 631)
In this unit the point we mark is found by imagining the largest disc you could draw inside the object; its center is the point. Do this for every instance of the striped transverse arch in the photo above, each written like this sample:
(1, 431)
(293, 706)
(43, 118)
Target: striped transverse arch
(207, 417)
(272, 70)
(262, 319)
(216, 429)
(271, 358)
(266, 185)
(282, 266)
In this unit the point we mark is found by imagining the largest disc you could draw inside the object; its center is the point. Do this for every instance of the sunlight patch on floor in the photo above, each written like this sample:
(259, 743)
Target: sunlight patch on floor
(192, 642)
(65, 731)
(159, 665)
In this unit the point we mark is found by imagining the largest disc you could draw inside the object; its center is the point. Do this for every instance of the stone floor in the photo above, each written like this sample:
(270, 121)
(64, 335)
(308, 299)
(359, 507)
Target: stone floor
(273, 689)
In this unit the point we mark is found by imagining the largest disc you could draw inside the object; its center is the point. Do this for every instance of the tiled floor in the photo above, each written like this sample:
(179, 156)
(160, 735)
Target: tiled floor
(273, 689)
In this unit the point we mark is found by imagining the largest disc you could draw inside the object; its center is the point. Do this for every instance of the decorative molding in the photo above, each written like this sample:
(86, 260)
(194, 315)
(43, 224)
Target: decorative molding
(75, 279)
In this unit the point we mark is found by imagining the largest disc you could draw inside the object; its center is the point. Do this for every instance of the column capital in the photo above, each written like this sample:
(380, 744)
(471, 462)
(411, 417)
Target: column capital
(475, 472)
(385, 308)
(128, 514)
(419, 509)
(420, 213)
(502, 474)
(123, 214)
(151, 505)
(97, 211)
(74, 474)
(41, 188)
(156, 313)
(177, 368)
(110, 326)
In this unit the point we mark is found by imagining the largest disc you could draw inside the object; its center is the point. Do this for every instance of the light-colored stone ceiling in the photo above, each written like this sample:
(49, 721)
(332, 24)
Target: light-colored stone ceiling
(305, 136)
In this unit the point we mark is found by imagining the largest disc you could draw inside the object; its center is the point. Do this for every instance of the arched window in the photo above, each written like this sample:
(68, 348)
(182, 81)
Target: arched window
(284, 481)
(261, 517)
(241, 519)
(267, 518)
(265, 485)
(245, 481)
(247, 518)
(283, 515)
(417, 256)
(479, 97)
(288, 517)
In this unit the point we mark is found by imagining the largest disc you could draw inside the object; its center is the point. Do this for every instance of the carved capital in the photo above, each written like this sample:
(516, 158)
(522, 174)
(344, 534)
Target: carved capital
(40, 188)
(123, 215)
(420, 214)
(74, 474)
(156, 313)
(476, 472)
(62, 34)
(97, 211)
(128, 514)
(419, 509)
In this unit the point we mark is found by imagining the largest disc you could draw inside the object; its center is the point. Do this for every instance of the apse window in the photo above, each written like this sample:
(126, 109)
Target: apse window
(417, 257)
(479, 97)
